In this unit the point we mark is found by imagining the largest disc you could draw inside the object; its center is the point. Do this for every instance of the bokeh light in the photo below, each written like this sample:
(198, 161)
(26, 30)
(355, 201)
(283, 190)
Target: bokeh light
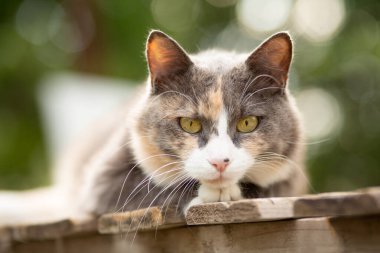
(321, 113)
(222, 3)
(176, 16)
(263, 16)
(318, 20)
(33, 20)
(65, 34)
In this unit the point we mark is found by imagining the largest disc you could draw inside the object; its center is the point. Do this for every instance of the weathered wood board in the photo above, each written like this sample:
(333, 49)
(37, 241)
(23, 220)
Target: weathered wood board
(325, 235)
(363, 202)
(143, 219)
(329, 222)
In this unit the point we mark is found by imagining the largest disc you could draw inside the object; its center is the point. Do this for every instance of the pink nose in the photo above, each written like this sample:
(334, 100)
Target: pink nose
(220, 165)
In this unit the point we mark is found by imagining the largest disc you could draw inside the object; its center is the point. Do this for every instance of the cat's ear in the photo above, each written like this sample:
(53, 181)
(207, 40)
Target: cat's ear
(273, 57)
(165, 57)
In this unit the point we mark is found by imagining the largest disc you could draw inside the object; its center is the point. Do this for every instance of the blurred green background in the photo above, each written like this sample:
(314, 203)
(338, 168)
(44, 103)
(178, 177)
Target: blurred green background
(335, 75)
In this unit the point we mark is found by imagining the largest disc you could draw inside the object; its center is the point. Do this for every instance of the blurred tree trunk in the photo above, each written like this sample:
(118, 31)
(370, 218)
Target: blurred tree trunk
(84, 14)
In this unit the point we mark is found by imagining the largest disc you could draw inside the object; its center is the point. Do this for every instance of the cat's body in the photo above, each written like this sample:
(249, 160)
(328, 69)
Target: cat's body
(151, 154)
(216, 126)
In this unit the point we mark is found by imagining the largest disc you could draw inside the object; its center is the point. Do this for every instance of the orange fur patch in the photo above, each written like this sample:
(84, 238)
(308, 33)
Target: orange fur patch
(254, 147)
(158, 163)
(213, 106)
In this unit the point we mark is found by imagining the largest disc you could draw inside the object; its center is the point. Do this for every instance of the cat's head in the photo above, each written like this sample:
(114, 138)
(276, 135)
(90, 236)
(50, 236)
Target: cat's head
(217, 117)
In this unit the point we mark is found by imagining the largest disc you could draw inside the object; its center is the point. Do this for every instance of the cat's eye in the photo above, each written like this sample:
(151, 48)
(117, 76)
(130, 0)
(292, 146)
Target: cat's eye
(247, 124)
(190, 125)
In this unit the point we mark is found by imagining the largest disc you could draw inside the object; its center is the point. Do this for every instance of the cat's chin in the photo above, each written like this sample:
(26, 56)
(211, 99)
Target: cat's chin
(218, 183)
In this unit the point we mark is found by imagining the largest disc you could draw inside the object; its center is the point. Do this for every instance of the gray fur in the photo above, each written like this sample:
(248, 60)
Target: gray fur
(179, 94)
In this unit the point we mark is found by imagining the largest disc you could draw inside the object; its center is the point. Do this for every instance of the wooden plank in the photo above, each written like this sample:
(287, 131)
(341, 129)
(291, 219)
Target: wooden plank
(53, 230)
(42, 231)
(93, 243)
(325, 235)
(144, 219)
(363, 202)
(83, 225)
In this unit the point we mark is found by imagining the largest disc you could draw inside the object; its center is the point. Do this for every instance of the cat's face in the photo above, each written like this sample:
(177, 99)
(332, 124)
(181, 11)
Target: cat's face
(217, 117)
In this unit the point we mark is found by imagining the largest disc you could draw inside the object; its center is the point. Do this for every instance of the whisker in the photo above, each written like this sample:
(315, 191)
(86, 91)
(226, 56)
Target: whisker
(153, 174)
(143, 184)
(254, 80)
(172, 194)
(188, 186)
(253, 93)
(249, 82)
(270, 156)
(147, 208)
(146, 211)
(308, 143)
(177, 92)
(179, 200)
(129, 142)
(138, 163)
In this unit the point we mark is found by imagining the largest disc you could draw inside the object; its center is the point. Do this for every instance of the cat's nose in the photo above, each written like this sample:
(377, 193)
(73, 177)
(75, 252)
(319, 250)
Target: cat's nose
(220, 165)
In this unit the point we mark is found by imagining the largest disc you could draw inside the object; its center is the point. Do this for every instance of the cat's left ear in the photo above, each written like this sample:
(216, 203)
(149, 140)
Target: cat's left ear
(165, 58)
(273, 57)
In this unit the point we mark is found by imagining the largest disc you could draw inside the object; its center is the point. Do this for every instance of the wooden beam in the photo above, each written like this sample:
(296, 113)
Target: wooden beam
(144, 219)
(325, 235)
(363, 202)
(353, 228)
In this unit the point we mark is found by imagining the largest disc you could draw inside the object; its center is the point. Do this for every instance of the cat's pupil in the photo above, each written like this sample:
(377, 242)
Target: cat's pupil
(191, 123)
(246, 122)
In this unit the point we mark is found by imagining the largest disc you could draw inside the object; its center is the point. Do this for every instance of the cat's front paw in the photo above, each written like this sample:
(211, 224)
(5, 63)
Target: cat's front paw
(207, 194)
(230, 193)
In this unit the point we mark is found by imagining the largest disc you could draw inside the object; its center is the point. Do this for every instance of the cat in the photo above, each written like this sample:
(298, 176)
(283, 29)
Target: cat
(214, 126)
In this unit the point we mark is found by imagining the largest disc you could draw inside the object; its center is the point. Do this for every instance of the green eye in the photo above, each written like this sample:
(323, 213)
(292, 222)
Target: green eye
(247, 124)
(190, 125)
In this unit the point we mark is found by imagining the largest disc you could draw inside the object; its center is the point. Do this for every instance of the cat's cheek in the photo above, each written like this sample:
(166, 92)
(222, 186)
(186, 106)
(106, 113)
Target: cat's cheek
(255, 146)
(197, 167)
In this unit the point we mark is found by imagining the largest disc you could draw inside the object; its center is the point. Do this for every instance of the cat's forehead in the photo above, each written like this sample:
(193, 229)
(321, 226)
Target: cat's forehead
(215, 83)
(215, 92)
(211, 103)
(210, 94)
(218, 62)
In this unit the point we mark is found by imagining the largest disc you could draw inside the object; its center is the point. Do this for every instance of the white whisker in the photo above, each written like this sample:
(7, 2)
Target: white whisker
(176, 92)
(130, 171)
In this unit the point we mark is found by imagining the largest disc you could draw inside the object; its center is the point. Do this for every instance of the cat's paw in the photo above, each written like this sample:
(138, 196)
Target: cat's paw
(205, 195)
(230, 193)
(208, 194)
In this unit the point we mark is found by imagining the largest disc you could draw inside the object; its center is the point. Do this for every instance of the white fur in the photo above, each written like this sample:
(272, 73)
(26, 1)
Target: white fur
(218, 60)
(225, 186)
(208, 194)
(265, 175)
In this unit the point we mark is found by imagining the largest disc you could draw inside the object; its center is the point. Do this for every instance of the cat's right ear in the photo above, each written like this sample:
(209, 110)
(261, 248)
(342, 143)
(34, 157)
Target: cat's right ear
(166, 59)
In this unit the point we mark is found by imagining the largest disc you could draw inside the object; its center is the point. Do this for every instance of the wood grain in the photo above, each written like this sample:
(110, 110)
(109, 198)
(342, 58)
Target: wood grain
(363, 202)
(144, 219)
(328, 222)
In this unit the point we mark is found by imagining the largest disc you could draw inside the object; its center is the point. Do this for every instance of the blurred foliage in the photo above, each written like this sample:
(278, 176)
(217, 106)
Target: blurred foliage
(346, 66)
